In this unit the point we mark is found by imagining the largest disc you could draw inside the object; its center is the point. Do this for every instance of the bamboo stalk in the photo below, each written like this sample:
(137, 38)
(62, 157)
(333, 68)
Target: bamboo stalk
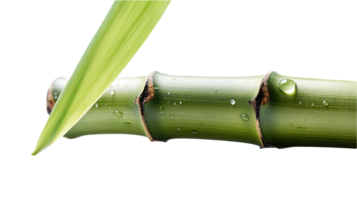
(268, 111)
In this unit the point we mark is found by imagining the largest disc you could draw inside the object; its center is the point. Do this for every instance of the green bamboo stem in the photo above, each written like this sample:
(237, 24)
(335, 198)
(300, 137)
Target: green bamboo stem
(222, 109)
(114, 112)
(302, 119)
(206, 111)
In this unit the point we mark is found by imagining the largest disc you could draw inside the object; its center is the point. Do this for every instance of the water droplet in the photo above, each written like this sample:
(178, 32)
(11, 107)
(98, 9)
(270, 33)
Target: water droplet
(96, 105)
(55, 93)
(117, 113)
(180, 102)
(211, 94)
(156, 88)
(232, 101)
(168, 93)
(221, 97)
(175, 103)
(325, 103)
(173, 78)
(181, 112)
(189, 96)
(300, 102)
(172, 117)
(161, 110)
(127, 124)
(194, 132)
(112, 92)
(105, 104)
(109, 108)
(244, 117)
(291, 125)
(301, 128)
(312, 104)
(287, 85)
(55, 97)
(178, 129)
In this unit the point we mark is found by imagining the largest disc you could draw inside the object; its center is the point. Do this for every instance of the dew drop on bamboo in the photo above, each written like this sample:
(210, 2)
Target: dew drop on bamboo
(161, 110)
(117, 113)
(287, 86)
(232, 101)
(244, 117)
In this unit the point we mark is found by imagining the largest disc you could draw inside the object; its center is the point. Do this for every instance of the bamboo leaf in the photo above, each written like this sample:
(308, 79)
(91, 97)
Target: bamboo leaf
(123, 31)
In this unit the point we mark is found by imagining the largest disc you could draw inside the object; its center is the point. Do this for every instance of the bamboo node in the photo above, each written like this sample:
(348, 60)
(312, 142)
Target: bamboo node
(262, 98)
(147, 94)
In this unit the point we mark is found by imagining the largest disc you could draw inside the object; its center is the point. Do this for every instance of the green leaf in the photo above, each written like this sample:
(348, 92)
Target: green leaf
(123, 31)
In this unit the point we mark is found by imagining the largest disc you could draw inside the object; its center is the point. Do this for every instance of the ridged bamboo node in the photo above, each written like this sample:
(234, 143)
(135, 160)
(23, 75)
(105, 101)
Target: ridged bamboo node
(262, 98)
(264, 89)
(50, 100)
(147, 94)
